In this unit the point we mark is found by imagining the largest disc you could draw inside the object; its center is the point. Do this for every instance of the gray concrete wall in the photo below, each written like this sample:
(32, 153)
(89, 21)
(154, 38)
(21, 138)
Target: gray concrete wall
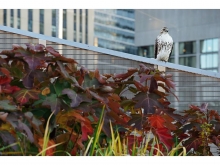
(183, 25)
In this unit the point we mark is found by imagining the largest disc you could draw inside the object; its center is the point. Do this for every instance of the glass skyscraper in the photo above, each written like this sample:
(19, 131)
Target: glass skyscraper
(115, 29)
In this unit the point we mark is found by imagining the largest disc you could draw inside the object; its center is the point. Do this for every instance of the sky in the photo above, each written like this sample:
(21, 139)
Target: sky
(109, 4)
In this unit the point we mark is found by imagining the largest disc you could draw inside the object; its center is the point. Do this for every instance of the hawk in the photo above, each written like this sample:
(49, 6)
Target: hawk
(163, 45)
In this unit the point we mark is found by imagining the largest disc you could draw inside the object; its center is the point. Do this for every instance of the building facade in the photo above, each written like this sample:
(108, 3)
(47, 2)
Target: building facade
(196, 35)
(113, 29)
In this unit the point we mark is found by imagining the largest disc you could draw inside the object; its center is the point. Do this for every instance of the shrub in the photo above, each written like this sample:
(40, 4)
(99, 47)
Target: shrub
(50, 106)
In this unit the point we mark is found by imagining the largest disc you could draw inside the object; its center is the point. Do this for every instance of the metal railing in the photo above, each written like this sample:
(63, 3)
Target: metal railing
(193, 86)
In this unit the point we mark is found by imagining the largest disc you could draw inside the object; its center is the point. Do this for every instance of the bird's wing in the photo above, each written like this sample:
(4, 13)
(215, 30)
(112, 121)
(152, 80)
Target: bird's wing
(171, 51)
(156, 48)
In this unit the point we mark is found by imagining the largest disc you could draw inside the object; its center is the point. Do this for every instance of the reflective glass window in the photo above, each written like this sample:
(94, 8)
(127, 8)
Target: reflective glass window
(54, 31)
(19, 18)
(12, 18)
(54, 17)
(187, 47)
(188, 61)
(30, 20)
(114, 34)
(116, 46)
(64, 18)
(209, 54)
(5, 17)
(110, 20)
(209, 45)
(64, 33)
(41, 21)
(209, 61)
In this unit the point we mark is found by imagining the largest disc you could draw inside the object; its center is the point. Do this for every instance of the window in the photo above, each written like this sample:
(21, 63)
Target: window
(74, 27)
(54, 29)
(114, 34)
(64, 23)
(64, 33)
(115, 46)
(187, 51)
(209, 61)
(110, 20)
(210, 45)
(41, 21)
(12, 18)
(19, 19)
(5, 17)
(187, 48)
(80, 20)
(80, 37)
(188, 61)
(209, 54)
(64, 18)
(54, 14)
(30, 20)
(147, 51)
(86, 26)
(74, 36)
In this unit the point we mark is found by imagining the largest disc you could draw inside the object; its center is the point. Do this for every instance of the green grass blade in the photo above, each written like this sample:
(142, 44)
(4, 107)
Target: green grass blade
(97, 131)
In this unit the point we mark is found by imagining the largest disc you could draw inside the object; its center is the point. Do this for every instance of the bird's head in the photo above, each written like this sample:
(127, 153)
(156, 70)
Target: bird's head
(164, 30)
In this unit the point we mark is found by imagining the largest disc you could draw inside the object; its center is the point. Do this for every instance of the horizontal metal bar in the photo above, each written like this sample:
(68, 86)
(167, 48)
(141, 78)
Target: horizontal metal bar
(111, 52)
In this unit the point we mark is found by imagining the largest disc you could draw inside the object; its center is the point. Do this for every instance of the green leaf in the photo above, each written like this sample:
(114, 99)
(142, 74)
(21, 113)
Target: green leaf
(7, 106)
(59, 86)
(41, 112)
(90, 82)
(54, 102)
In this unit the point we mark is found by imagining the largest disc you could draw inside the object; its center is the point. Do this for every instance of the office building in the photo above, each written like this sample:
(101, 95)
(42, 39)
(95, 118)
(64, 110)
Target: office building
(196, 35)
(111, 29)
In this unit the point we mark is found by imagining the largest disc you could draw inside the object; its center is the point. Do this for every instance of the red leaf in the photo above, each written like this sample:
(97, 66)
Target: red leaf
(4, 76)
(86, 128)
(96, 96)
(133, 139)
(99, 77)
(144, 77)
(52, 51)
(170, 83)
(194, 107)
(35, 48)
(192, 143)
(24, 95)
(165, 137)
(50, 151)
(144, 69)
(156, 121)
(168, 122)
(147, 101)
(9, 89)
(123, 76)
(114, 104)
(140, 87)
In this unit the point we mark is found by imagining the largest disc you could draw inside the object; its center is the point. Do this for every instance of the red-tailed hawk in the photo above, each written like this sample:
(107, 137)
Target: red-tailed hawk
(163, 45)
